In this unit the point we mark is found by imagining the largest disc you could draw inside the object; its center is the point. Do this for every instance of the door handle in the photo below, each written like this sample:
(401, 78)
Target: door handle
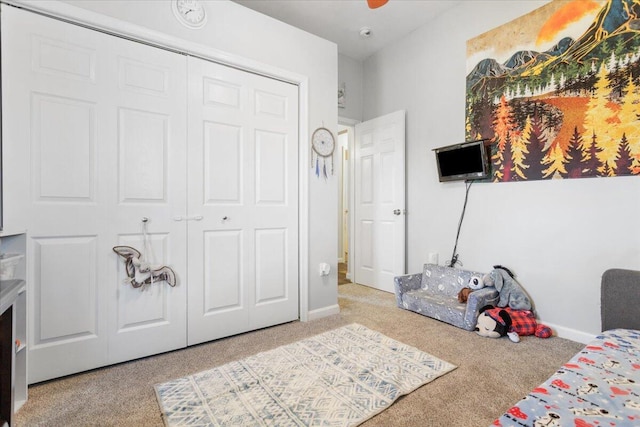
(397, 211)
(188, 218)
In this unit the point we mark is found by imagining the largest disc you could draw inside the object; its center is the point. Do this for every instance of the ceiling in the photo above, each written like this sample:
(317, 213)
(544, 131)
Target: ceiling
(340, 21)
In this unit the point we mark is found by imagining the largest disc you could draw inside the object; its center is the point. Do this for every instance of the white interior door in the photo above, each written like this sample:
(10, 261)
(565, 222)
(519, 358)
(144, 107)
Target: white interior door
(243, 201)
(380, 201)
(93, 140)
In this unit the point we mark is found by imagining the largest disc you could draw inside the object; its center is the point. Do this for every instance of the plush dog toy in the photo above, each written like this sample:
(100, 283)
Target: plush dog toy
(474, 284)
(463, 295)
(496, 322)
(511, 293)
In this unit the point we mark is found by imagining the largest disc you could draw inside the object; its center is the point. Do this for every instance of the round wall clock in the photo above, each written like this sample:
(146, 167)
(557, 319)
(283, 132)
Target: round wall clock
(190, 13)
(323, 144)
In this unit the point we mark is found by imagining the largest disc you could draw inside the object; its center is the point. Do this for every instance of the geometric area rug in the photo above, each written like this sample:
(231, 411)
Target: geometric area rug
(339, 378)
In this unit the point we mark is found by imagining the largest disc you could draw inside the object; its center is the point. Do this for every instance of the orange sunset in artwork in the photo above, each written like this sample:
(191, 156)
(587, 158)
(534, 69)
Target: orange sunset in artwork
(554, 92)
(569, 13)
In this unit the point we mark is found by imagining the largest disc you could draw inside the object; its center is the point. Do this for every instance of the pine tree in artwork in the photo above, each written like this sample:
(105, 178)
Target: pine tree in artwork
(519, 151)
(596, 120)
(507, 161)
(605, 170)
(628, 115)
(556, 160)
(574, 155)
(590, 157)
(536, 150)
(624, 160)
(503, 126)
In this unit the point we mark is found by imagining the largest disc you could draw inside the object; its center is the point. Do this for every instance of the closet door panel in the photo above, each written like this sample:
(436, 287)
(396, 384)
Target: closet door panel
(63, 138)
(65, 275)
(243, 266)
(217, 153)
(274, 204)
(95, 146)
(223, 167)
(271, 168)
(271, 257)
(143, 137)
(52, 113)
(74, 284)
(223, 272)
(141, 310)
(64, 58)
(149, 178)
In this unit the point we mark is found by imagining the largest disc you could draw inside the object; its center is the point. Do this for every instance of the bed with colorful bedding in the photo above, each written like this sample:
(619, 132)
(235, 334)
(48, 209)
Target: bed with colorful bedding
(598, 387)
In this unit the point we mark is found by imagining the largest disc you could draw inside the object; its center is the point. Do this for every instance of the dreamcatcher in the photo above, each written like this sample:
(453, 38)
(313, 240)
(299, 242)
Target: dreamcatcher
(323, 144)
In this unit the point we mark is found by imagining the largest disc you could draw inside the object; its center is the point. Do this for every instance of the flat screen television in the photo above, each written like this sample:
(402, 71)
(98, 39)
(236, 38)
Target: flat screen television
(464, 161)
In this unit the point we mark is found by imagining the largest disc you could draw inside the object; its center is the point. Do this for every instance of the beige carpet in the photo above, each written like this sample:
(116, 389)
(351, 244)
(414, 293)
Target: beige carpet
(491, 375)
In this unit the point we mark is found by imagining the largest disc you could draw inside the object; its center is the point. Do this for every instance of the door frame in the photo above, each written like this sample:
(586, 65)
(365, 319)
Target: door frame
(351, 124)
(116, 27)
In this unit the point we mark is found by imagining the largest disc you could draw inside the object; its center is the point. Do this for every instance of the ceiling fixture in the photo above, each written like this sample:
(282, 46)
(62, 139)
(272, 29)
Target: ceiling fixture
(365, 32)
(374, 4)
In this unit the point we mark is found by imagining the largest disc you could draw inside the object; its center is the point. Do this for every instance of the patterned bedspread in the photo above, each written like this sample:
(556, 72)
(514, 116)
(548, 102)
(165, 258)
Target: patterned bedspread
(598, 387)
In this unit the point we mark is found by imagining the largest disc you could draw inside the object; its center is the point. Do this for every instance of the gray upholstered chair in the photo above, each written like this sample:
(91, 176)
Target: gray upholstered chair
(620, 299)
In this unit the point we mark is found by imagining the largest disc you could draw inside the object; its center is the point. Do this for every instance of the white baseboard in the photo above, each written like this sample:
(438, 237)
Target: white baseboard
(323, 312)
(570, 334)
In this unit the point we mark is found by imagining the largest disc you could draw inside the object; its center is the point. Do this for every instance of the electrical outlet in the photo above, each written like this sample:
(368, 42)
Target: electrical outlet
(433, 258)
(324, 269)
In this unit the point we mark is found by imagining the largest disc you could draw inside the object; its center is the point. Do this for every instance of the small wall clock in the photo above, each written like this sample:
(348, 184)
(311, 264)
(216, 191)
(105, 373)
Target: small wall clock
(323, 144)
(190, 13)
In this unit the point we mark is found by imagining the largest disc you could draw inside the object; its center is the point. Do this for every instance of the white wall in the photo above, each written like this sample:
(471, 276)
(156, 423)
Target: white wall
(242, 32)
(350, 74)
(557, 236)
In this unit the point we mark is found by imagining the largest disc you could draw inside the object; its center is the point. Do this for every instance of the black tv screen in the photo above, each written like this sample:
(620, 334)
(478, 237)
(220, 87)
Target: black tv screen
(465, 161)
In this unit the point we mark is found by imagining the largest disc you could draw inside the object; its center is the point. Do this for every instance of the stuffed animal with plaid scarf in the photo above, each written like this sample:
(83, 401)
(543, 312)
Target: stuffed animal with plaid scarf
(510, 322)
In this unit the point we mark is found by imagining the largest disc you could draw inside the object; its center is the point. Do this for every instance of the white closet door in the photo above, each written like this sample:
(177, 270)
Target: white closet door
(243, 198)
(93, 141)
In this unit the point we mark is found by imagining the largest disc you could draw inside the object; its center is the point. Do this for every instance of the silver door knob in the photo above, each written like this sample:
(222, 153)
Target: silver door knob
(397, 211)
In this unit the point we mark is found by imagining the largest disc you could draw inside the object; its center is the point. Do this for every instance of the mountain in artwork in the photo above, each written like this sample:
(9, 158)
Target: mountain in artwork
(617, 18)
(517, 64)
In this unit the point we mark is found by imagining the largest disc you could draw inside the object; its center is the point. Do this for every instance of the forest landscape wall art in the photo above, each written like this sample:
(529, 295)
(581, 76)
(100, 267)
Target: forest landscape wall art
(556, 93)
